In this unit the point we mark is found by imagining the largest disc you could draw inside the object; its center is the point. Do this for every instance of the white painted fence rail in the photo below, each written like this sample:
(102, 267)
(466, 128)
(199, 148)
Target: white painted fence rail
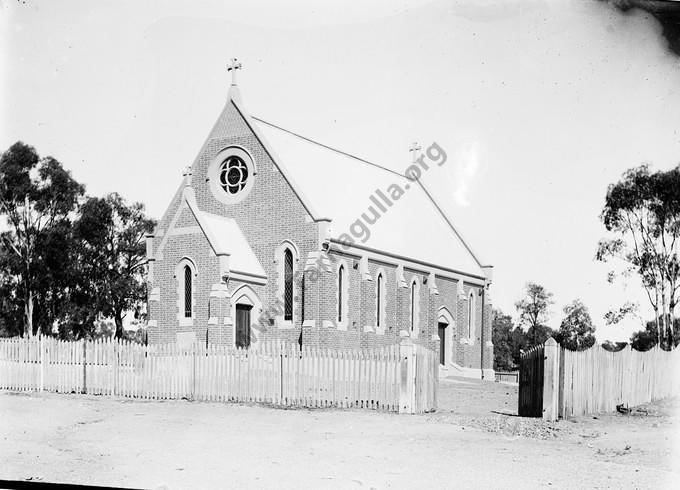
(396, 378)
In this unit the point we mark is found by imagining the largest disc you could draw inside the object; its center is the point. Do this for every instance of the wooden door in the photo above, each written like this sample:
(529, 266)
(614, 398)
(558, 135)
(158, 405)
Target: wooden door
(442, 343)
(243, 326)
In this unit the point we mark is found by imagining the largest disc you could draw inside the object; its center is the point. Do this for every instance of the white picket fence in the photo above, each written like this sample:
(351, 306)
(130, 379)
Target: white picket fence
(395, 378)
(597, 380)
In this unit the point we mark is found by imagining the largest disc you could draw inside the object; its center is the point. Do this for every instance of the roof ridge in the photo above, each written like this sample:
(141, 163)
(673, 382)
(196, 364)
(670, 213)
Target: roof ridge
(429, 196)
(341, 152)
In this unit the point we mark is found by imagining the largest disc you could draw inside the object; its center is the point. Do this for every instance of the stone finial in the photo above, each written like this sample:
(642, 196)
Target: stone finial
(432, 283)
(401, 280)
(364, 270)
(460, 289)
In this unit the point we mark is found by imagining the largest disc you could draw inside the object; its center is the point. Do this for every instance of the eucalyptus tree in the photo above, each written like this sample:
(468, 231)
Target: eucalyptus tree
(642, 214)
(534, 313)
(111, 240)
(37, 200)
(576, 330)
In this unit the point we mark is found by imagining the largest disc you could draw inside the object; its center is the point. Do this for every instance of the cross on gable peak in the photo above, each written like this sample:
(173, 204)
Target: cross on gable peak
(414, 149)
(234, 65)
(186, 175)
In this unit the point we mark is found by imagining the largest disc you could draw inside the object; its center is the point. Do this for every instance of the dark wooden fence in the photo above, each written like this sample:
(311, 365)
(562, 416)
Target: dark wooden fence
(531, 382)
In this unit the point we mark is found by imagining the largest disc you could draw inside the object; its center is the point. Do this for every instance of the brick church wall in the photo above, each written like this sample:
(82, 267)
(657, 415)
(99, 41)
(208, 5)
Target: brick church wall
(195, 247)
(268, 215)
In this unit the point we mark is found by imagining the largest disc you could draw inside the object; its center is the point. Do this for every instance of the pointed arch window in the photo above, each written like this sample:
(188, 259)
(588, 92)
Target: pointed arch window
(471, 315)
(341, 278)
(185, 277)
(380, 300)
(415, 306)
(188, 292)
(288, 285)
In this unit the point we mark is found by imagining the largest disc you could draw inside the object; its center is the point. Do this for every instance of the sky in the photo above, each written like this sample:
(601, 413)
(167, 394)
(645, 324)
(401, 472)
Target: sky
(539, 105)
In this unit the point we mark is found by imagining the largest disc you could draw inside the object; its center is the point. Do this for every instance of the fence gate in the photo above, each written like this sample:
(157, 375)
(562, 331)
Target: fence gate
(531, 382)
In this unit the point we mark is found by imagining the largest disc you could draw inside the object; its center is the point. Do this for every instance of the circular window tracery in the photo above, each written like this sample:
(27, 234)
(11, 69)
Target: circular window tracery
(231, 174)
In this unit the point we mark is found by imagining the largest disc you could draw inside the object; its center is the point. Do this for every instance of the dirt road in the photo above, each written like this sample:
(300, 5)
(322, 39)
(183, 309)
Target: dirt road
(104, 441)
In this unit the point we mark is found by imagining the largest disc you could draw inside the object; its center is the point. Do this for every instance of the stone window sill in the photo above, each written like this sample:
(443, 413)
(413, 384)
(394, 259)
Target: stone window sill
(284, 324)
(186, 322)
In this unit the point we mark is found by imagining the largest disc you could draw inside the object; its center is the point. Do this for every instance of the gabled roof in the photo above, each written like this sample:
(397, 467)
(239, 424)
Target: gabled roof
(226, 238)
(343, 188)
(223, 234)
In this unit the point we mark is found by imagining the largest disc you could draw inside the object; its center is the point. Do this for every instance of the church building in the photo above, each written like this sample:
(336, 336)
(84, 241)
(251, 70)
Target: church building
(274, 236)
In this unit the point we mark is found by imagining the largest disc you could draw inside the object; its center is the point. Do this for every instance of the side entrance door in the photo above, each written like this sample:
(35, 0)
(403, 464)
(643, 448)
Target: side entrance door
(442, 343)
(243, 326)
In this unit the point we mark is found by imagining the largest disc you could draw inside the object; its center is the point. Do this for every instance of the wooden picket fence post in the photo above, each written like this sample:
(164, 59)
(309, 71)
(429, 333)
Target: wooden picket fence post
(41, 347)
(551, 380)
(407, 375)
(84, 388)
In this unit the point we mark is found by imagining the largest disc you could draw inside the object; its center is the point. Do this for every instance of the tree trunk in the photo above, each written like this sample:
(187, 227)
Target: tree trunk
(673, 330)
(658, 326)
(28, 314)
(118, 317)
(664, 314)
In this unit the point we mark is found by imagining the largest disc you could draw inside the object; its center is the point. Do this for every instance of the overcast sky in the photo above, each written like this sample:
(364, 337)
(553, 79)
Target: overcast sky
(539, 105)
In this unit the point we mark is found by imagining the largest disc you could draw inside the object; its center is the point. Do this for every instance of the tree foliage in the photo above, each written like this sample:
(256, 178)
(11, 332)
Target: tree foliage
(501, 334)
(66, 262)
(613, 346)
(643, 340)
(37, 197)
(642, 213)
(576, 330)
(510, 340)
(111, 238)
(534, 313)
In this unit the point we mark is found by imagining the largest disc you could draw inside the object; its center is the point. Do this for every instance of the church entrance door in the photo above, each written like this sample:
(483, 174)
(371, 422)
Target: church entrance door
(243, 326)
(442, 343)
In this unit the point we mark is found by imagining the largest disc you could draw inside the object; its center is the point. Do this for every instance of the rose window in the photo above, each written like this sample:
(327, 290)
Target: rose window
(233, 174)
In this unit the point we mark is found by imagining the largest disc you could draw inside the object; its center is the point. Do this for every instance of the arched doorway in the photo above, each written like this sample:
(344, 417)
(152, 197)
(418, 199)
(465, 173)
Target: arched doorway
(245, 305)
(444, 330)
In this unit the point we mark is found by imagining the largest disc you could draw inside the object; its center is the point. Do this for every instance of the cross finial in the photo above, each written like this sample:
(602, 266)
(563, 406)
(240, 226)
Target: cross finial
(186, 173)
(414, 149)
(232, 67)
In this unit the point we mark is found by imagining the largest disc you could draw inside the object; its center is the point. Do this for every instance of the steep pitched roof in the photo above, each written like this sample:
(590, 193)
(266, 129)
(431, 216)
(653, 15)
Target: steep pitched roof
(226, 237)
(340, 186)
(223, 234)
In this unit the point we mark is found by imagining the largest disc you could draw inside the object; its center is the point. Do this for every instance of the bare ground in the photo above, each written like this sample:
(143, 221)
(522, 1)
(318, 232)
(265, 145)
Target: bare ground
(468, 443)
